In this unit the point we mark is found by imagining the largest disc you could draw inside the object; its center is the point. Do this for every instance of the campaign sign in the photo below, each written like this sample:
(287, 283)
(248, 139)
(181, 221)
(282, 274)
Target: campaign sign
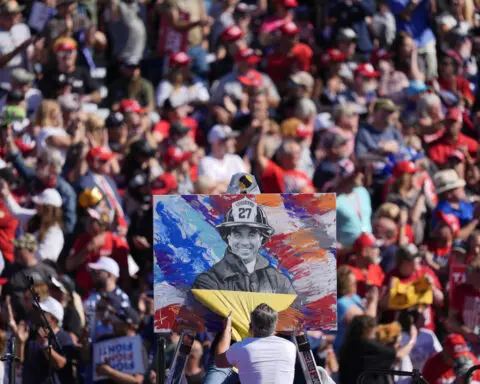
(218, 254)
(458, 275)
(123, 354)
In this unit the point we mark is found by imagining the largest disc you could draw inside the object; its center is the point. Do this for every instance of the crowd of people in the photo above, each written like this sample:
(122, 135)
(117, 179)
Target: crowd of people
(106, 103)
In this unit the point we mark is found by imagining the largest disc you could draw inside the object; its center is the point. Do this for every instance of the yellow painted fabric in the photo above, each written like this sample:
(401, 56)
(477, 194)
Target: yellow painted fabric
(403, 296)
(241, 304)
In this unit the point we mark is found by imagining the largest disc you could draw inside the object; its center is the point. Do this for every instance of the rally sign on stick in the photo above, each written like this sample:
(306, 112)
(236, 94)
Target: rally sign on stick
(123, 354)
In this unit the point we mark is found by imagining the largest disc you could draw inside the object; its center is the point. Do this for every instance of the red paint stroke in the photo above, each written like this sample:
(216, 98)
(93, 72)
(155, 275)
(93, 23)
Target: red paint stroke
(315, 204)
(165, 317)
(295, 248)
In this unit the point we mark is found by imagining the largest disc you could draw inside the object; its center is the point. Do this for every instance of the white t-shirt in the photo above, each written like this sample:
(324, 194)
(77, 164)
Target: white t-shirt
(44, 134)
(221, 170)
(264, 360)
(195, 93)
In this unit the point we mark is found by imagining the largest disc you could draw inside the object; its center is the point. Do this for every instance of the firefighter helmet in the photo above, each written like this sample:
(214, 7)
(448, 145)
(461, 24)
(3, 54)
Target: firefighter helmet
(245, 212)
(243, 183)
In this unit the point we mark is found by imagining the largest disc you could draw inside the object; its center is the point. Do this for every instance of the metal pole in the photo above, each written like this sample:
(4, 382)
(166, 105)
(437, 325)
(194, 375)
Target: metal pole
(13, 365)
(415, 375)
(469, 374)
(161, 363)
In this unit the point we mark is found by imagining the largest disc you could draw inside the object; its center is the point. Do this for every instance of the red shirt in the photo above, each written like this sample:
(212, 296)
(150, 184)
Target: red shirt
(440, 149)
(422, 271)
(114, 247)
(281, 66)
(374, 276)
(441, 255)
(8, 226)
(277, 180)
(436, 371)
(466, 300)
(463, 87)
(163, 127)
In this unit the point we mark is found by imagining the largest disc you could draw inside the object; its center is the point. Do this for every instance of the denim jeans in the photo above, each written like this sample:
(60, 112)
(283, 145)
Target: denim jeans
(220, 375)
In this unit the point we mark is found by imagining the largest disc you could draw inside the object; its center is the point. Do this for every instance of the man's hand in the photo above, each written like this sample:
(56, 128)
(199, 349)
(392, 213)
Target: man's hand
(372, 295)
(140, 242)
(389, 146)
(103, 369)
(227, 324)
(22, 332)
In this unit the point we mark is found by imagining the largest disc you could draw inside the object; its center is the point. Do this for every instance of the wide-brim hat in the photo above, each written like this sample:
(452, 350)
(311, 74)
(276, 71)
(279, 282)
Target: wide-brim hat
(447, 180)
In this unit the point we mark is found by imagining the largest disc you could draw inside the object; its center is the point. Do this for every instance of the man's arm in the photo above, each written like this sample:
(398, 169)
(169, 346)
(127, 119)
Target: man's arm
(69, 198)
(221, 360)
(4, 59)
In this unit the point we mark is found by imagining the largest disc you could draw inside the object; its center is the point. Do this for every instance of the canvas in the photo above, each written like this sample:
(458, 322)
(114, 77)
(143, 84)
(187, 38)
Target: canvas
(228, 253)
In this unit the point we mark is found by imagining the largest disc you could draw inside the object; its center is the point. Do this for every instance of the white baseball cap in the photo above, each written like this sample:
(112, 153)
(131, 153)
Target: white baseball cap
(106, 264)
(49, 196)
(220, 132)
(52, 306)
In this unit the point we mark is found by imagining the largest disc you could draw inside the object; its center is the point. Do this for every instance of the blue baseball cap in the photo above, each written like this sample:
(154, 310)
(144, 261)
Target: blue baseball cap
(416, 87)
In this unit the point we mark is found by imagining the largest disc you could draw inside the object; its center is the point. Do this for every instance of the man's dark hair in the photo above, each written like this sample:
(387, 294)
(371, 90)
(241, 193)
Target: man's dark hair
(263, 321)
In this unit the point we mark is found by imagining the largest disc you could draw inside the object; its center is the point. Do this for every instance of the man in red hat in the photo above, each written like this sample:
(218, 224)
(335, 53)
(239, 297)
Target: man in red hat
(452, 139)
(365, 85)
(291, 56)
(271, 26)
(464, 314)
(246, 61)
(444, 367)
(79, 79)
(97, 176)
(365, 263)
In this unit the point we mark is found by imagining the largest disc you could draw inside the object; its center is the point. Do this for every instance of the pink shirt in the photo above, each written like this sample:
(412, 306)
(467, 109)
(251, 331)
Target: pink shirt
(271, 24)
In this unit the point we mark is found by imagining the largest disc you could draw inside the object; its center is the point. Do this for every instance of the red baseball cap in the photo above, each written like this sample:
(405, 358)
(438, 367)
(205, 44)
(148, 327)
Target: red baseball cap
(365, 240)
(175, 155)
(3, 280)
(451, 220)
(380, 54)
(164, 184)
(251, 79)
(288, 3)
(100, 153)
(455, 56)
(366, 70)
(403, 167)
(64, 44)
(130, 105)
(231, 34)
(180, 59)
(455, 345)
(333, 55)
(457, 154)
(454, 114)
(290, 29)
(247, 55)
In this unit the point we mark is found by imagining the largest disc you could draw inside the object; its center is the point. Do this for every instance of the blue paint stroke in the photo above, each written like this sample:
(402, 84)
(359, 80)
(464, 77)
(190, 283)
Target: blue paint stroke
(185, 245)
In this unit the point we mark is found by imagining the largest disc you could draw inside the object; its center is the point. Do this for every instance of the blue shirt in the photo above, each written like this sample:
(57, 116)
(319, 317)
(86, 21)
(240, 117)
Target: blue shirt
(354, 212)
(464, 213)
(368, 139)
(419, 25)
(343, 305)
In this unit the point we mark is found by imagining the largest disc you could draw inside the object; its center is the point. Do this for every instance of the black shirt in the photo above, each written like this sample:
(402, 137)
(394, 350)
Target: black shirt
(17, 284)
(35, 368)
(80, 80)
(363, 356)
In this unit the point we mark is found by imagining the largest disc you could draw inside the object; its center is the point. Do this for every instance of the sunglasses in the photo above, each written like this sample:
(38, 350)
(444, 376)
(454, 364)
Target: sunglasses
(66, 53)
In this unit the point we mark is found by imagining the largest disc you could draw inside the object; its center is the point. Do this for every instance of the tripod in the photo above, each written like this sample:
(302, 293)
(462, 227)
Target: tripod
(52, 338)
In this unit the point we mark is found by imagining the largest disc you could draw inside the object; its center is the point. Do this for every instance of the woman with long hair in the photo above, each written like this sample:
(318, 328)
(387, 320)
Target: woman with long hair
(362, 352)
(45, 221)
(49, 128)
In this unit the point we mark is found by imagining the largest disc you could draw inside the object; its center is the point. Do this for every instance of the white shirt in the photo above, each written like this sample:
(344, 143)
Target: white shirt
(267, 360)
(221, 170)
(52, 244)
(44, 134)
(195, 93)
